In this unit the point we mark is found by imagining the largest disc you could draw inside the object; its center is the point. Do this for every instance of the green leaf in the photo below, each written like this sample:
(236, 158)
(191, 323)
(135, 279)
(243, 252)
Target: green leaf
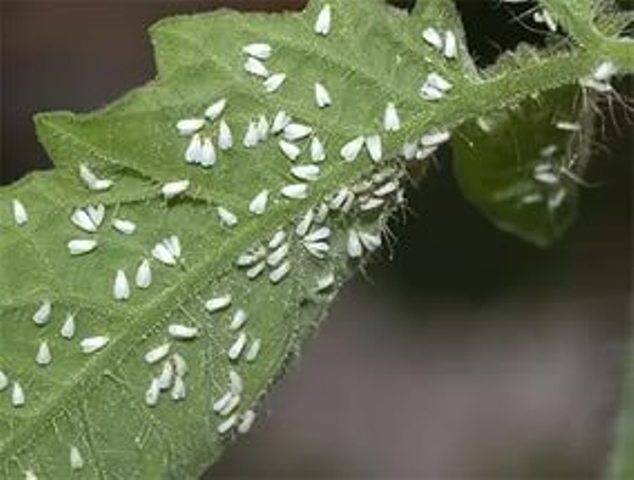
(622, 460)
(522, 171)
(97, 402)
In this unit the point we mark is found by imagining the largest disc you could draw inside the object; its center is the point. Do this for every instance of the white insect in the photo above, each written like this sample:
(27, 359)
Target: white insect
(297, 191)
(166, 377)
(276, 240)
(253, 350)
(555, 201)
(236, 383)
(161, 253)
(263, 128)
(435, 139)
(125, 227)
(605, 71)
(350, 151)
(93, 344)
(340, 198)
(218, 303)
(409, 150)
(296, 131)
(215, 109)
(370, 241)
(225, 137)
(207, 154)
(121, 286)
(259, 203)
(180, 366)
(386, 189)
(278, 255)
(193, 154)
(354, 247)
(304, 224)
(438, 82)
(256, 270)
(317, 249)
(18, 399)
(322, 213)
(251, 137)
(322, 96)
(391, 119)
(174, 245)
(484, 124)
(451, 45)
(433, 38)
(76, 460)
(548, 178)
(82, 220)
(548, 150)
(152, 393)
(233, 403)
(280, 122)
(182, 332)
(274, 82)
(227, 425)
(431, 94)
(249, 258)
(371, 204)
(317, 152)
(143, 277)
(319, 235)
(374, 146)
(4, 381)
(325, 282)
(235, 350)
(290, 150)
(173, 189)
(179, 392)
(246, 423)
(19, 213)
(157, 354)
(189, 126)
(96, 214)
(544, 16)
(91, 180)
(80, 247)
(238, 320)
(220, 404)
(256, 67)
(324, 20)
(568, 126)
(261, 51)
(43, 314)
(43, 356)
(227, 218)
(308, 172)
(68, 328)
(29, 475)
(425, 152)
(277, 275)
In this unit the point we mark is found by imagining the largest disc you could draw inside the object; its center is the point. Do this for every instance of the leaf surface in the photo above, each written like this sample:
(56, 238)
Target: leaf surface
(97, 402)
(522, 167)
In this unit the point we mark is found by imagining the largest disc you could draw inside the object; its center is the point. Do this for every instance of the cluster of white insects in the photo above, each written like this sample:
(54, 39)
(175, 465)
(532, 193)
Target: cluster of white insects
(310, 232)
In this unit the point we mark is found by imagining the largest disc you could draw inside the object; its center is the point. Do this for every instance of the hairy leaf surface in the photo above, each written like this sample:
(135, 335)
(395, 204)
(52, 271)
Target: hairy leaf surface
(96, 402)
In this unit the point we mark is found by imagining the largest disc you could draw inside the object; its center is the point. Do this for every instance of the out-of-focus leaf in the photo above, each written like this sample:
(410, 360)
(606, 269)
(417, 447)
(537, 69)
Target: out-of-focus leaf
(521, 169)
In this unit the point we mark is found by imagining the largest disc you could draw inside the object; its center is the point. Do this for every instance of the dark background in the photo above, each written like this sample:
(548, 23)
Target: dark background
(470, 355)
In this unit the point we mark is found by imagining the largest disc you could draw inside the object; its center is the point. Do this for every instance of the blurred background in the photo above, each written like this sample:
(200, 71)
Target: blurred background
(463, 354)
